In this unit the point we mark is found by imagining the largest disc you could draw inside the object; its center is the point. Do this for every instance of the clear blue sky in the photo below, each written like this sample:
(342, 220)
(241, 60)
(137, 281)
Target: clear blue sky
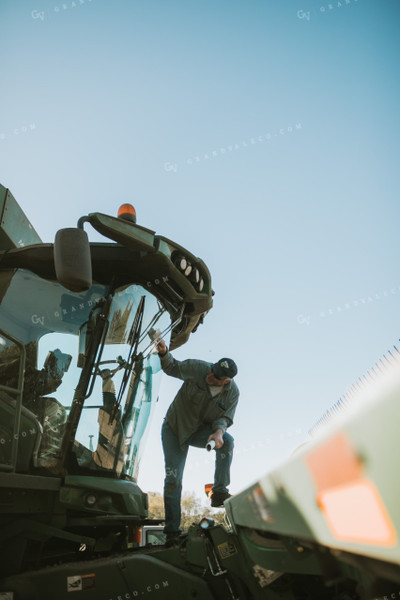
(264, 137)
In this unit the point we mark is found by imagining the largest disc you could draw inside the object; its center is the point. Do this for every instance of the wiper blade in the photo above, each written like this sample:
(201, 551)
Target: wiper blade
(133, 340)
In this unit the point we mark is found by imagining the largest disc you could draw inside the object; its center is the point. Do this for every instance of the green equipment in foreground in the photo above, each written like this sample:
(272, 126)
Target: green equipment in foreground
(78, 381)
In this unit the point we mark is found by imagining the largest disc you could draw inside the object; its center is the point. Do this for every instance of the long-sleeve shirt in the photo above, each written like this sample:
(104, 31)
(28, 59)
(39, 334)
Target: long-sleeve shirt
(194, 406)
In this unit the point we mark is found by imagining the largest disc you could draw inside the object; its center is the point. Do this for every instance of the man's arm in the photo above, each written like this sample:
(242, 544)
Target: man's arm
(221, 424)
(185, 369)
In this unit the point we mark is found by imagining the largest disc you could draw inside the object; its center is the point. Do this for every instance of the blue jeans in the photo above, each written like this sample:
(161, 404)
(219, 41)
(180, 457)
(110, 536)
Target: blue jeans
(175, 458)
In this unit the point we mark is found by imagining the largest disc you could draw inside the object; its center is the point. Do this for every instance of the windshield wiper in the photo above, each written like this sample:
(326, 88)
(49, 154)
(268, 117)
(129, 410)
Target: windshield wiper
(133, 341)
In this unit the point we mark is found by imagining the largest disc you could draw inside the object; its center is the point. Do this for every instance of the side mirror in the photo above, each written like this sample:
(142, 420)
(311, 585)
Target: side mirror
(72, 260)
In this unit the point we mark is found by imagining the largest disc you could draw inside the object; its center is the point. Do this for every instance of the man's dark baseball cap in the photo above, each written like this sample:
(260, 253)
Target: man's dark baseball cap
(225, 367)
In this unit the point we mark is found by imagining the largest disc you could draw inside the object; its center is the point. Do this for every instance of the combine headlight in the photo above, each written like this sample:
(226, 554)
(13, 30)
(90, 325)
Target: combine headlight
(183, 264)
(90, 499)
(201, 284)
(195, 276)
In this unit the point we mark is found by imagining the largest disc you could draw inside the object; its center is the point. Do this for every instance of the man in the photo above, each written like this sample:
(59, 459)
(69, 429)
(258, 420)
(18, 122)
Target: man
(201, 412)
(110, 445)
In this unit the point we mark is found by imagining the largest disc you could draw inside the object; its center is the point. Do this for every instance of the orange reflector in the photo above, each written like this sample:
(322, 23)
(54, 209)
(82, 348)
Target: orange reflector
(127, 212)
(208, 489)
(137, 535)
(355, 512)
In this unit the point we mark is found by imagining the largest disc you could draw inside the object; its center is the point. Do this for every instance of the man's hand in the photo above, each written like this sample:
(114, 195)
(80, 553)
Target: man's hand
(217, 436)
(161, 348)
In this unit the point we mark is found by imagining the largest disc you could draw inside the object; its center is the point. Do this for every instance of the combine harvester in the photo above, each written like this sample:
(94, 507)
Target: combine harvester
(78, 381)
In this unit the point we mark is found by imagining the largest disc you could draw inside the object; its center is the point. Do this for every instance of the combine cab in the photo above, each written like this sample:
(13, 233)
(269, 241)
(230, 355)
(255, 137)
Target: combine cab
(78, 380)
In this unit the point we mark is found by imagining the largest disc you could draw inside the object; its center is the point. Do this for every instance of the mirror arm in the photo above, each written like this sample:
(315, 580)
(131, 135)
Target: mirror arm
(81, 221)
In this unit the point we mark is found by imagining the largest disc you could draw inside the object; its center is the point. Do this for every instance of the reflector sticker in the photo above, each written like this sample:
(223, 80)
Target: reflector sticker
(349, 501)
(226, 550)
(79, 583)
(262, 504)
(355, 513)
(265, 576)
(334, 462)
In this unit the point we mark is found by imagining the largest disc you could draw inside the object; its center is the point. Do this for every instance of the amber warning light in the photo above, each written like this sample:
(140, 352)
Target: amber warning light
(127, 212)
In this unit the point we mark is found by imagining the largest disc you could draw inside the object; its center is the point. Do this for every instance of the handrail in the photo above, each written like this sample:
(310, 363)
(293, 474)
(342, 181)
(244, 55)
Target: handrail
(18, 402)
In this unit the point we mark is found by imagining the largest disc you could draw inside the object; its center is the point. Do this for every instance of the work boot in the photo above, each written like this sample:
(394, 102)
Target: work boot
(218, 498)
(172, 538)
